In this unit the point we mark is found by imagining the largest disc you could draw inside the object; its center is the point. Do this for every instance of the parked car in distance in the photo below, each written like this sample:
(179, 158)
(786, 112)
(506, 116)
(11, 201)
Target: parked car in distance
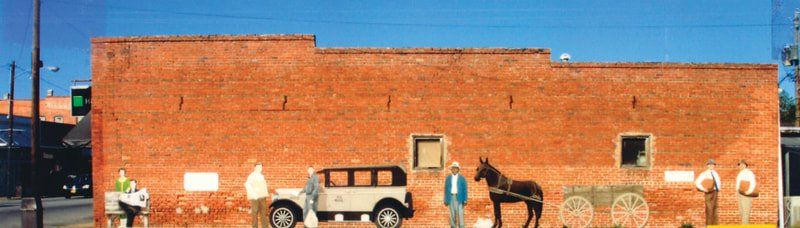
(75, 185)
(367, 193)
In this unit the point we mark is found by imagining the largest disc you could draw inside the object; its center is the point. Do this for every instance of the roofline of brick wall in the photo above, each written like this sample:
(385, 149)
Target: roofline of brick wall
(433, 51)
(654, 65)
(543, 51)
(192, 38)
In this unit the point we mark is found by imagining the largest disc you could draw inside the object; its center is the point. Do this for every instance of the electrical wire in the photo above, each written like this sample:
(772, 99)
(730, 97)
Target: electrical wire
(26, 72)
(400, 24)
(54, 85)
(72, 26)
(25, 39)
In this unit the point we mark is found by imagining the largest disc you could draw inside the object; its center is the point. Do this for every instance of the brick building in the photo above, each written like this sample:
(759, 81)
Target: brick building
(56, 109)
(167, 105)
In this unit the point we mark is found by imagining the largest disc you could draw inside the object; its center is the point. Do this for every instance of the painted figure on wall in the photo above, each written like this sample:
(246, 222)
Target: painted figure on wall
(311, 190)
(133, 201)
(709, 183)
(122, 184)
(257, 193)
(746, 190)
(455, 195)
(505, 190)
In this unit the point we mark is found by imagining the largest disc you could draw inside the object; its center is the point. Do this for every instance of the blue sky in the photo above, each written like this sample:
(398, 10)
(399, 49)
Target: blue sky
(593, 31)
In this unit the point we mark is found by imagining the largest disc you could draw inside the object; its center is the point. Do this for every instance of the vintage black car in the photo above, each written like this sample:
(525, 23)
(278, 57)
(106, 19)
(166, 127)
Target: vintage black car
(77, 185)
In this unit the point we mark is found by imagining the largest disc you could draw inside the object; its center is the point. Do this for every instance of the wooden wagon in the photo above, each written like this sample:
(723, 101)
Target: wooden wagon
(628, 206)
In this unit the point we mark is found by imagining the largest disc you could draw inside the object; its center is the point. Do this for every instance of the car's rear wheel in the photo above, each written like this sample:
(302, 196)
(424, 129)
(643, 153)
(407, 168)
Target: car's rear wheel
(282, 217)
(388, 217)
(68, 196)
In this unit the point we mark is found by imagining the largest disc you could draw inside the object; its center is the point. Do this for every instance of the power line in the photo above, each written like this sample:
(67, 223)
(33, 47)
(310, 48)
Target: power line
(25, 39)
(22, 70)
(400, 24)
(72, 26)
(54, 85)
(28, 72)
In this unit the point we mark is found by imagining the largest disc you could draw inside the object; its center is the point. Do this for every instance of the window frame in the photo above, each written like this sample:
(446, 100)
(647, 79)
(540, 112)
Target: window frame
(376, 177)
(414, 161)
(351, 176)
(648, 148)
(339, 185)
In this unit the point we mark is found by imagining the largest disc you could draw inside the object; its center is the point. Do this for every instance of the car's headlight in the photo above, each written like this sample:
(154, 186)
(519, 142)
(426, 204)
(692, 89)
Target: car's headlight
(85, 186)
(64, 187)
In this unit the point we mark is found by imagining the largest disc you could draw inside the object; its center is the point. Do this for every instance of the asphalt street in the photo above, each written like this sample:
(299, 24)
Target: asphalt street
(58, 212)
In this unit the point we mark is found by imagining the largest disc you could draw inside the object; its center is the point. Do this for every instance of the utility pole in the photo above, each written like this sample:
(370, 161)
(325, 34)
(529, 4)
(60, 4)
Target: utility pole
(32, 211)
(796, 66)
(10, 129)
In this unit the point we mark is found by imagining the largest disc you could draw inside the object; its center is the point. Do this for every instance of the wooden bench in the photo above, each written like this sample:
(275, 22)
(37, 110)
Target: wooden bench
(113, 210)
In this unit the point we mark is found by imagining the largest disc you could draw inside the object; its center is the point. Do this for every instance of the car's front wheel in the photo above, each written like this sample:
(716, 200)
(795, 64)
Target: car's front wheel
(388, 217)
(282, 217)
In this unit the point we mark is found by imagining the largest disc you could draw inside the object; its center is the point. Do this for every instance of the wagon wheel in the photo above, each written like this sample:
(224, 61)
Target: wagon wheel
(576, 211)
(630, 210)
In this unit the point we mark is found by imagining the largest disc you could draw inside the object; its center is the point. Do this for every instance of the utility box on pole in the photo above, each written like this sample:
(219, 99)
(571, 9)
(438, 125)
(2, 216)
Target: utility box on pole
(789, 55)
(81, 100)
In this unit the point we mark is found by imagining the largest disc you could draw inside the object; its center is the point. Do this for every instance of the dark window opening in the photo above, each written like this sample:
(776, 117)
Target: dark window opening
(634, 151)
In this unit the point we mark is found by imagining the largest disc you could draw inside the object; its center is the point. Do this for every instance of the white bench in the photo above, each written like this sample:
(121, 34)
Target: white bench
(113, 210)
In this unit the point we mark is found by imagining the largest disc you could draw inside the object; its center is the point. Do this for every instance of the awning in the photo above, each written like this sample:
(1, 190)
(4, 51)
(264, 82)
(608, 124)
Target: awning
(51, 133)
(81, 135)
(790, 142)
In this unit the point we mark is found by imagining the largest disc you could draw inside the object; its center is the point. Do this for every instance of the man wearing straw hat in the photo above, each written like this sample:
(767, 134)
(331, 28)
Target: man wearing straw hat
(455, 195)
(709, 183)
(746, 188)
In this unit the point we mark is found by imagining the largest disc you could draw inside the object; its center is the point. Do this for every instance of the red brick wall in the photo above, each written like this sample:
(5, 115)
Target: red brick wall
(169, 105)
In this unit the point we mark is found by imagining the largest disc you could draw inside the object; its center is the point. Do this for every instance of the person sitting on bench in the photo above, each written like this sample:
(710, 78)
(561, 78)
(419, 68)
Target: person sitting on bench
(132, 202)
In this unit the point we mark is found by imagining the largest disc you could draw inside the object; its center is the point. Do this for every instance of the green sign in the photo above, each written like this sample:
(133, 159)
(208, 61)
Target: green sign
(81, 100)
(77, 101)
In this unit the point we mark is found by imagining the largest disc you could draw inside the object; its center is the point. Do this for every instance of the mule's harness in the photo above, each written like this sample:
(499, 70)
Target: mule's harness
(506, 190)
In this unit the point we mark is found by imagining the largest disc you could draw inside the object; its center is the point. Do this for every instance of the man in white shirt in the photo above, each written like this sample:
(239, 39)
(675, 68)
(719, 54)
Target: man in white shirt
(257, 192)
(745, 195)
(133, 201)
(710, 193)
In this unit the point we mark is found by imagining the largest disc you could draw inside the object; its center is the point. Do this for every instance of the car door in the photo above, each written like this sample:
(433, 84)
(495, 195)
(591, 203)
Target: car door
(361, 195)
(332, 196)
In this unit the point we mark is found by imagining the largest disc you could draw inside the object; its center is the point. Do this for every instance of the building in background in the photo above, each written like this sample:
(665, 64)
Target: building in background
(57, 160)
(57, 109)
(790, 148)
(168, 106)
